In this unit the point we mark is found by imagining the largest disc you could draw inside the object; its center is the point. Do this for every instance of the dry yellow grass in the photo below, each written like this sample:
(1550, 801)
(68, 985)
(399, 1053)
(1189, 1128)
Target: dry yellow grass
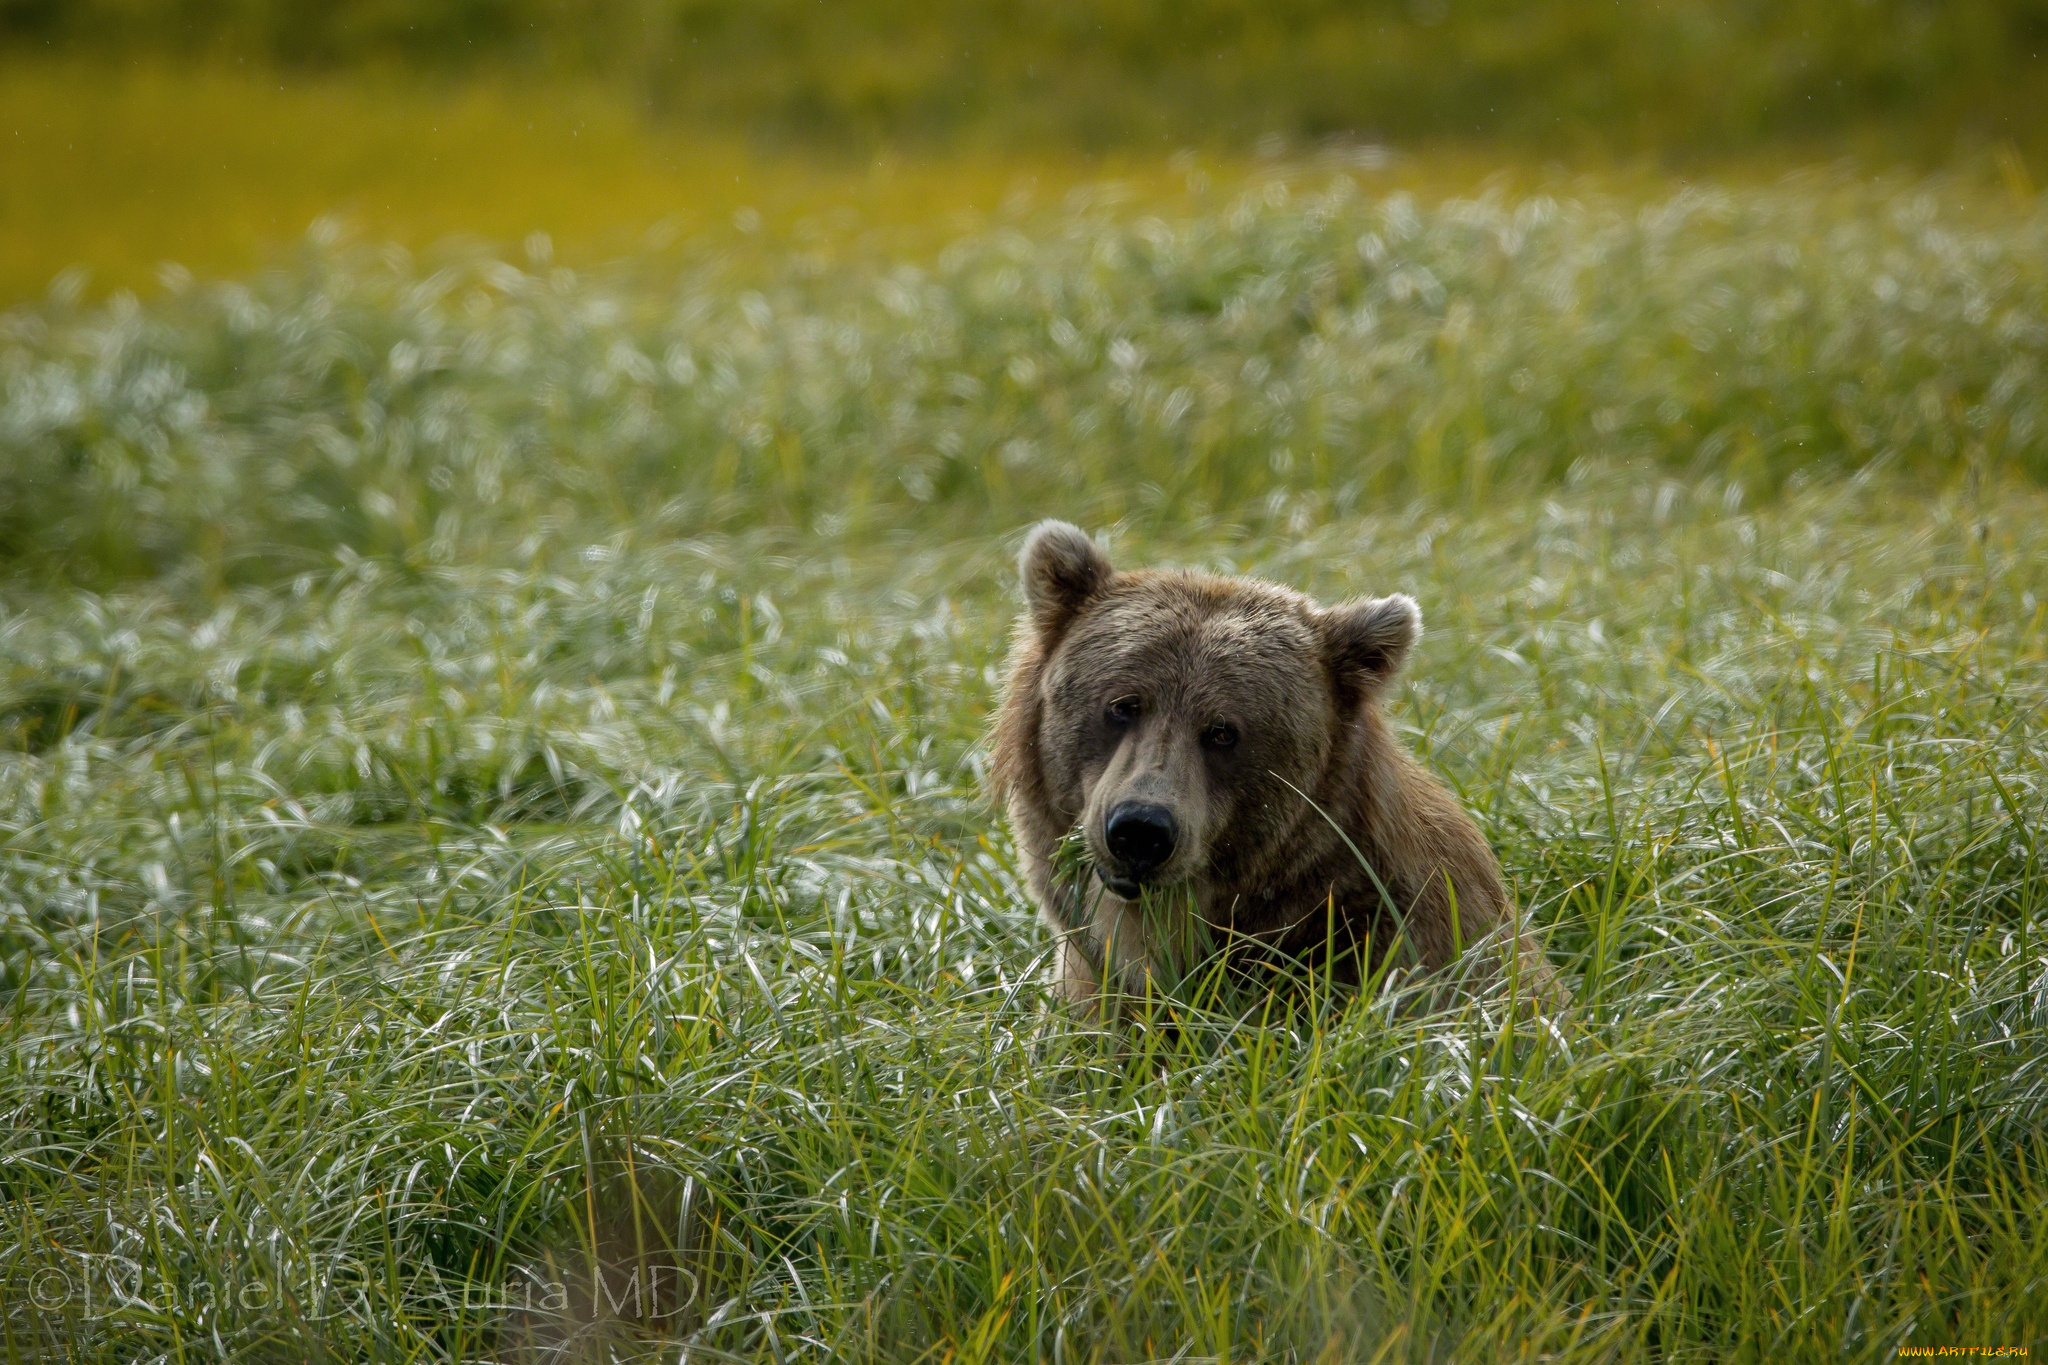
(119, 169)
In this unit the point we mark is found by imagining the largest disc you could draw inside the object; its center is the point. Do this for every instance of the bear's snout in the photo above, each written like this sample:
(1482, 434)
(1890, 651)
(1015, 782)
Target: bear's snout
(1141, 837)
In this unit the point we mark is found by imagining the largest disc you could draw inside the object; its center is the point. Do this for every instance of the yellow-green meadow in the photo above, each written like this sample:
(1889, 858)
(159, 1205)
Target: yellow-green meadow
(496, 648)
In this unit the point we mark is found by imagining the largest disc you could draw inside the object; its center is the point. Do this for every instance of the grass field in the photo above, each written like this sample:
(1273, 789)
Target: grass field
(1690, 77)
(118, 176)
(491, 848)
(123, 176)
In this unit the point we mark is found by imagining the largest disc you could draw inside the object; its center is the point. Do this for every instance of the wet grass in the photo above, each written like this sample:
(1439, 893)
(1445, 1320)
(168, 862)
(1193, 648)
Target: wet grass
(481, 924)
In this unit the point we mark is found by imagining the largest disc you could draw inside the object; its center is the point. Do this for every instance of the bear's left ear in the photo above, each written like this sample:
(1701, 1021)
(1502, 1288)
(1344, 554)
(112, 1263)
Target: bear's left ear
(1368, 640)
(1061, 569)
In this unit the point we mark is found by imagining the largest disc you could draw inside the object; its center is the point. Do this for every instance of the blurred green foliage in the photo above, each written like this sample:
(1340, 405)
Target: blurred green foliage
(1303, 352)
(1914, 76)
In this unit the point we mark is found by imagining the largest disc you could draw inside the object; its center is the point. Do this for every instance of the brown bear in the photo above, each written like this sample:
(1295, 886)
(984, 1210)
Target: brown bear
(1192, 763)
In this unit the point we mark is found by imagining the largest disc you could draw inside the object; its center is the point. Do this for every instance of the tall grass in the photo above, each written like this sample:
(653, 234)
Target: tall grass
(492, 861)
(1301, 350)
(450, 964)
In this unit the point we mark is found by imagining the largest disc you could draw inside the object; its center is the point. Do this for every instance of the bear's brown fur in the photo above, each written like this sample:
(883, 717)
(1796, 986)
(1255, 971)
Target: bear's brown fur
(1222, 739)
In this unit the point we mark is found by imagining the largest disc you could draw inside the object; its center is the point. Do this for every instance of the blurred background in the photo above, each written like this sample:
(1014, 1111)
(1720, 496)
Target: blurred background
(445, 280)
(134, 132)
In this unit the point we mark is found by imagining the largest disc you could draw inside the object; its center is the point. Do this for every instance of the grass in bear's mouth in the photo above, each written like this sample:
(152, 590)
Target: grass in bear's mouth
(402, 951)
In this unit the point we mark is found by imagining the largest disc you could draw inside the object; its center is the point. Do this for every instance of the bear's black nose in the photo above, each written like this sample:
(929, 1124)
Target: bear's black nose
(1140, 836)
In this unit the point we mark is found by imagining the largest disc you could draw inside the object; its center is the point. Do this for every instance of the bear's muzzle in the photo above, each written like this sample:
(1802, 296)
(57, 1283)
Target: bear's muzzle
(1140, 837)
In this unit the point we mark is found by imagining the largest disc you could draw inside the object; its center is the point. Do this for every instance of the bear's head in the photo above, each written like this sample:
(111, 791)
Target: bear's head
(1182, 721)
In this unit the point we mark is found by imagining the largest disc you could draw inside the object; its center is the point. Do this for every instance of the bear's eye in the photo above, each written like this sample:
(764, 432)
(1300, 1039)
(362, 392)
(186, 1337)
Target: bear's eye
(1221, 735)
(1122, 711)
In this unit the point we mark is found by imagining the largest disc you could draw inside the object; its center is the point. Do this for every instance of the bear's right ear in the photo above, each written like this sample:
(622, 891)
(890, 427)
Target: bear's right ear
(1061, 569)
